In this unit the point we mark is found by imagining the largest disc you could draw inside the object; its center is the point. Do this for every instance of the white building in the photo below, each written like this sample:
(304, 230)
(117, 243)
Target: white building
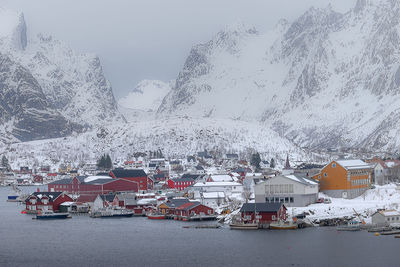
(229, 188)
(213, 198)
(293, 190)
(220, 178)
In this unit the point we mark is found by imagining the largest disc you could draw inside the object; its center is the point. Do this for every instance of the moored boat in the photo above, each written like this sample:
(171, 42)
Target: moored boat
(49, 215)
(243, 226)
(155, 216)
(283, 225)
(111, 213)
(351, 226)
(238, 223)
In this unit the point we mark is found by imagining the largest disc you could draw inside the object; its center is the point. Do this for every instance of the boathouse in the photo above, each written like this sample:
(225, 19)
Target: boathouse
(93, 185)
(265, 212)
(193, 211)
(169, 206)
(45, 201)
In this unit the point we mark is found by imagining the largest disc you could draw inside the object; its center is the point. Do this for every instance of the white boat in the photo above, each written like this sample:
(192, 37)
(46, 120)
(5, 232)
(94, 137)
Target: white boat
(111, 212)
(351, 226)
(238, 223)
(283, 225)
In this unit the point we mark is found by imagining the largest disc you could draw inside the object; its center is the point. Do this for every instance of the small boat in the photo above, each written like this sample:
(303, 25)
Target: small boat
(14, 195)
(243, 226)
(351, 226)
(111, 213)
(49, 215)
(155, 216)
(283, 225)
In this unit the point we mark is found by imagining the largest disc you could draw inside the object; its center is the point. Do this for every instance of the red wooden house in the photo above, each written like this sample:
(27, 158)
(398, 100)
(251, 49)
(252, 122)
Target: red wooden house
(168, 207)
(43, 201)
(266, 212)
(93, 185)
(136, 175)
(180, 183)
(193, 209)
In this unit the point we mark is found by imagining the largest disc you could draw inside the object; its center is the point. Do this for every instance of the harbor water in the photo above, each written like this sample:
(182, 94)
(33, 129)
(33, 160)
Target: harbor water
(137, 241)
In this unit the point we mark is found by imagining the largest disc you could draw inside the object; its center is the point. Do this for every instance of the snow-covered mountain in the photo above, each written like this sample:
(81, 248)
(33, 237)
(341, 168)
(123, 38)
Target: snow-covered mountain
(327, 79)
(146, 96)
(71, 92)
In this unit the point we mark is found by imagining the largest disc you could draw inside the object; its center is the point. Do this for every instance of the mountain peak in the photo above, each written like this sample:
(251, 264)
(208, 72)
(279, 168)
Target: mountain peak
(12, 29)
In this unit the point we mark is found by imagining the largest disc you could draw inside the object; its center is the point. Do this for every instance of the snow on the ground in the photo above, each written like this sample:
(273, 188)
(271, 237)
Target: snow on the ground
(381, 197)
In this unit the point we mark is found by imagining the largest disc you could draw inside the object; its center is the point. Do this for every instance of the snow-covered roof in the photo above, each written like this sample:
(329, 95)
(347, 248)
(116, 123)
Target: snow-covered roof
(389, 213)
(211, 184)
(353, 164)
(95, 177)
(221, 178)
(145, 201)
(302, 180)
(208, 195)
(67, 203)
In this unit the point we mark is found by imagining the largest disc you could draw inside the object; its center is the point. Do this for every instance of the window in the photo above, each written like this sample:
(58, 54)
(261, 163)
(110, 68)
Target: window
(388, 219)
(286, 188)
(291, 200)
(267, 199)
(333, 165)
(277, 200)
(282, 200)
(286, 200)
(325, 174)
(290, 188)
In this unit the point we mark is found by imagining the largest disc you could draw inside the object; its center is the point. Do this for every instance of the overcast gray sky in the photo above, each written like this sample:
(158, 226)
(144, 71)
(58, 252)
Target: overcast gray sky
(150, 39)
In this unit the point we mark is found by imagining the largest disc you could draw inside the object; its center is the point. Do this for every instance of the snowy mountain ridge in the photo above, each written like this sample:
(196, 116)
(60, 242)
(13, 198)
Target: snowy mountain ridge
(70, 86)
(325, 80)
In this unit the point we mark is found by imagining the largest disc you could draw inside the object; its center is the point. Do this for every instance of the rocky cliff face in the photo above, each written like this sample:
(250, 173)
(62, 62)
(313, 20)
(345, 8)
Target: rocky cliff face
(325, 80)
(23, 103)
(46, 88)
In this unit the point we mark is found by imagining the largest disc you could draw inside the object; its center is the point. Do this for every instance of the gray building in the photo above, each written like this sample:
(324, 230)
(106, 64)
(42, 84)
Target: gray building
(386, 217)
(293, 190)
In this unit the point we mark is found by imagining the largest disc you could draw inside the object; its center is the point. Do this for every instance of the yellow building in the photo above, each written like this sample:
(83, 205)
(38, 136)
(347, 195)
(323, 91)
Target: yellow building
(345, 178)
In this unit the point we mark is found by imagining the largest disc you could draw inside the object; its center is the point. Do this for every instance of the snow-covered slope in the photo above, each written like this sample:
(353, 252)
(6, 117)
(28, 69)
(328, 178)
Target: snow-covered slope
(71, 92)
(176, 137)
(146, 96)
(325, 80)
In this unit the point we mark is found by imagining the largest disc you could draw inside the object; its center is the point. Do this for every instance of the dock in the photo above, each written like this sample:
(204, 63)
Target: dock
(397, 232)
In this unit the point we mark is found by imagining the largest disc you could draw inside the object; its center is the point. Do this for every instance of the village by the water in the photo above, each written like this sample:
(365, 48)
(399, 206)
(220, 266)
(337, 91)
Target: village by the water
(351, 194)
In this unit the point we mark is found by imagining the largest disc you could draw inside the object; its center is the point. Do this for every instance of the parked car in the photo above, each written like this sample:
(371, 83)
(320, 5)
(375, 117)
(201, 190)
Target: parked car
(327, 201)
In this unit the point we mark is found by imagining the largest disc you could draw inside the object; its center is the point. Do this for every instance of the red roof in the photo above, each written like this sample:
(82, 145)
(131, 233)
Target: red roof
(187, 205)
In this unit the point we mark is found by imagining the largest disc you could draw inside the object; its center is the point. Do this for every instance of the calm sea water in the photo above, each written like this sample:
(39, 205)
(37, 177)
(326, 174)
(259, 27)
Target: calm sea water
(84, 241)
